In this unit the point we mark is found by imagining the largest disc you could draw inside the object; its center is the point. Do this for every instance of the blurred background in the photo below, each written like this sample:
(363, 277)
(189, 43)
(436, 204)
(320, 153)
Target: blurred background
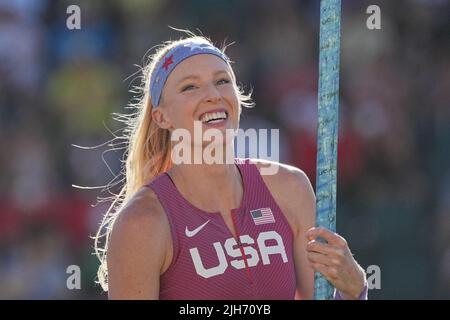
(59, 87)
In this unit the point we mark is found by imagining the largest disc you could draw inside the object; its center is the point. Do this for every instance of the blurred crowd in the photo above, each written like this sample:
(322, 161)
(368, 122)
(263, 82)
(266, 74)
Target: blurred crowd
(59, 88)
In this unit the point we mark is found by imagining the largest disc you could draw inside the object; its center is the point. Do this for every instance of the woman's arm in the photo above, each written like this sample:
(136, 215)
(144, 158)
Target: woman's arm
(137, 249)
(333, 259)
(304, 214)
(294, 194)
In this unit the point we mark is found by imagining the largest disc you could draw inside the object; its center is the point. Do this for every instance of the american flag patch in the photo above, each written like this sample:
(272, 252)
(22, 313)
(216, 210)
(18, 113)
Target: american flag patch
(262, 216)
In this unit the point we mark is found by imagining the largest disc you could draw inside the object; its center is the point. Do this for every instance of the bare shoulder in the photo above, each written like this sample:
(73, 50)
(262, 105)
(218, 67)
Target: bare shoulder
(291, 189)
(139, 248)
(282, 175)
(143, 210)
(283, 178)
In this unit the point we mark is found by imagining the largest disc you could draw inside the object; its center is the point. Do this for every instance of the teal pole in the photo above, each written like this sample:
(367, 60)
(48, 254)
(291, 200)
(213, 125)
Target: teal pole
(327, 130)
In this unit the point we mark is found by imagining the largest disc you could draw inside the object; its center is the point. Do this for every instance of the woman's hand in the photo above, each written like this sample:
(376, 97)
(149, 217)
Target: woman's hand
(335, 262)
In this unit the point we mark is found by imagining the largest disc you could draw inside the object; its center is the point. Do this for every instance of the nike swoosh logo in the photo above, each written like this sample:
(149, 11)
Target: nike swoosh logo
(192, 233)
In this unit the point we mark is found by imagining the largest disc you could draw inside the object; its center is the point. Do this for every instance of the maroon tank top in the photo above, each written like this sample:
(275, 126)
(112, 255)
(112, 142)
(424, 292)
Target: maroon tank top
(209, 263)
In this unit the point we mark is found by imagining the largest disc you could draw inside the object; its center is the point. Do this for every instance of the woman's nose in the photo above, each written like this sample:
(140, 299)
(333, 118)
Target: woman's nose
(212, 94)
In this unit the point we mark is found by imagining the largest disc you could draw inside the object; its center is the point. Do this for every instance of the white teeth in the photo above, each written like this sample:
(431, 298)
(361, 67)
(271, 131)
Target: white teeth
(217, 116)
(214, 121)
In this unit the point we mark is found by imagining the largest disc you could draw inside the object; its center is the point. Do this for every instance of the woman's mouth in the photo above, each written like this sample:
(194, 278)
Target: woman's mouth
(215, 118)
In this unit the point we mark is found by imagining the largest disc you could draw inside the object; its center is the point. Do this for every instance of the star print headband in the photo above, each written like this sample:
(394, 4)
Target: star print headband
(172, 59)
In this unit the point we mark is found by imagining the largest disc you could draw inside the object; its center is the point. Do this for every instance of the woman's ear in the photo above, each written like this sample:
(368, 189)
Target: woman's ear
(161, 119)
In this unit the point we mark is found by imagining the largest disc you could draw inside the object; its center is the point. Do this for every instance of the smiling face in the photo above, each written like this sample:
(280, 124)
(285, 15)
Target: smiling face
(200, 88)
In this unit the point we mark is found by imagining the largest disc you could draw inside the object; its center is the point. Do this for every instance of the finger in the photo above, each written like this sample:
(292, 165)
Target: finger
(335, 256)
(315, 257)
(319, 247)
(329, 273)
(317, 267)
(326, 249)
(309, 233)
(331, 237)
(324, 233)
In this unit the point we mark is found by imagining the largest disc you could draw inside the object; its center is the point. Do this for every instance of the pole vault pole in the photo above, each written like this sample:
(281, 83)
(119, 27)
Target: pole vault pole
(327, 130)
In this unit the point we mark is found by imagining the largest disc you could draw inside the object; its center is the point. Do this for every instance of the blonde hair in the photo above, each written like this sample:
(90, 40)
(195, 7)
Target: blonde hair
(148, 148)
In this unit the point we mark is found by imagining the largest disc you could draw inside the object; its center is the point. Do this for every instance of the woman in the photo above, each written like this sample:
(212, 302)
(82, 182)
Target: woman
(184, 230)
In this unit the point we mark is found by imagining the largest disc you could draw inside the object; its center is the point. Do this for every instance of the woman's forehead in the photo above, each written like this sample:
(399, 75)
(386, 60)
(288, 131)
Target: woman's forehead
(197, 66)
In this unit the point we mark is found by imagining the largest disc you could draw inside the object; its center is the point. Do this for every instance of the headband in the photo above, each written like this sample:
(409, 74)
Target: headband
(172, 58)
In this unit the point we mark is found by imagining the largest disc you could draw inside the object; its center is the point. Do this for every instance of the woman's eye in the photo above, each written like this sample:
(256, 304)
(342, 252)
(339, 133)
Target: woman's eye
(191, 86)
(188, 87)
(223, 81)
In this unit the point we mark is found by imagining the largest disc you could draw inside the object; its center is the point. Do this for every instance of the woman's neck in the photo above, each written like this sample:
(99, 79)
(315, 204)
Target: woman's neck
(216, 187)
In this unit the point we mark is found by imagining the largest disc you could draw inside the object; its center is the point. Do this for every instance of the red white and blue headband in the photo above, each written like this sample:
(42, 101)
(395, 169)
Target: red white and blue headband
(172, 59)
